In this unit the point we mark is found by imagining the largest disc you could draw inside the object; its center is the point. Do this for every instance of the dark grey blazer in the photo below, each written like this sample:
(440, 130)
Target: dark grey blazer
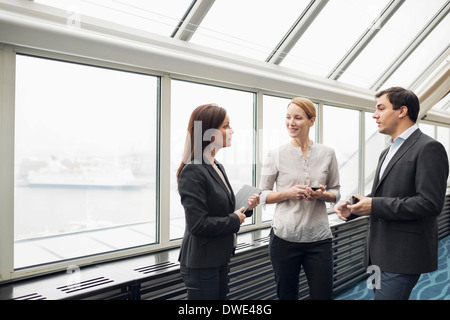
(210, 220)
(403, 234)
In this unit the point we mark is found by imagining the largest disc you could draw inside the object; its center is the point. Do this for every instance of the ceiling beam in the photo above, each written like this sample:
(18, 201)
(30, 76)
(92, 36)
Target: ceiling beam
(192, 19)
(365, 39)
(296, 31)
(438, 89)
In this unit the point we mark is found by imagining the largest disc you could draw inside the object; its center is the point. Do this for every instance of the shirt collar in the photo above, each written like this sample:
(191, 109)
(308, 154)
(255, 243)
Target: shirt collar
(405, 134)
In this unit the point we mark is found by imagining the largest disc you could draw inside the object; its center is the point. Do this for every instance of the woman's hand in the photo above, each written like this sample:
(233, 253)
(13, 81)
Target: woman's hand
(240, 213)
(314, 195)
(298, 192)
(342, 210)
(253, 201)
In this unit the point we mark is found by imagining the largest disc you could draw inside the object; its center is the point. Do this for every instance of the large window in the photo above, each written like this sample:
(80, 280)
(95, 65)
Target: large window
(238, 159)
(443, 135)
(375, 142)
(85, 160)
(86, 171)
(341, 131)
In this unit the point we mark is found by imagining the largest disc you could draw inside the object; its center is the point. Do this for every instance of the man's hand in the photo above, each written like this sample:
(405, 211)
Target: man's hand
(363, 207)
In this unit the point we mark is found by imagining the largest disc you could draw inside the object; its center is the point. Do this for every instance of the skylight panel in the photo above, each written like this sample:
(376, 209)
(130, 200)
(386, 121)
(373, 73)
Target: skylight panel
(332, 34)
(421, 59)
(392, 39)
(159, 17)
(250, 28)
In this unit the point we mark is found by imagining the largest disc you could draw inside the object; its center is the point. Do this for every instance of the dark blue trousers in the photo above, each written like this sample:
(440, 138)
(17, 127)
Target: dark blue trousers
(395, 286)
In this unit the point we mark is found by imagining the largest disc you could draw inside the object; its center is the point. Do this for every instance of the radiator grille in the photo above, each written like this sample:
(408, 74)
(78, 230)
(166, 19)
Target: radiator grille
(156, 267)
(31, 296)
(83, 285)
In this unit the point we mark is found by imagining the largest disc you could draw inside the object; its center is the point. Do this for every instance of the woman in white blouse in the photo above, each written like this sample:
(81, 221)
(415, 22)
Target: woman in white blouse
(306, 176)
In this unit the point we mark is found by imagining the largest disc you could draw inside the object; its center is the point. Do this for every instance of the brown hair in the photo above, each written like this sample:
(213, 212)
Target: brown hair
(211, 116)
(306, 105)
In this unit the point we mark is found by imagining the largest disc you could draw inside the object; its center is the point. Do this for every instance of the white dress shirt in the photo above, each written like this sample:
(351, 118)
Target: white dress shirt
(395, 145)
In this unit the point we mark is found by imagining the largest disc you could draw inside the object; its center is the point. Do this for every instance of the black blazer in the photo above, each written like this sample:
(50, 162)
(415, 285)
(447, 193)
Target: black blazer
(210, 219)
(403, 234)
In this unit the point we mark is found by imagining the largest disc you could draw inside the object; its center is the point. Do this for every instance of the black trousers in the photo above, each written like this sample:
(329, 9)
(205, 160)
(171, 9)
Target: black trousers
(206, 283)
(287, 260)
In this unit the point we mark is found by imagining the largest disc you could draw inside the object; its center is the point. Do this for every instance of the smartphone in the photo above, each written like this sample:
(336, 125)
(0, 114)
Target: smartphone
(315, 188)
(353, 200)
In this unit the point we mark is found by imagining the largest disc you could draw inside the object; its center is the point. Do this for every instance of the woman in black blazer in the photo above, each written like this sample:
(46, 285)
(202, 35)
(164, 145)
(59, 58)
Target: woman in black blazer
(209, 204)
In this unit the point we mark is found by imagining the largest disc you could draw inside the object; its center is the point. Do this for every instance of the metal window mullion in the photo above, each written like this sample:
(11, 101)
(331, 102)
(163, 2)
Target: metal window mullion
(164, 166)
(259, 129)
(365, 39)
(296, 31)
(319, 123)
(423, 34)
(7, 105)
(362, 152)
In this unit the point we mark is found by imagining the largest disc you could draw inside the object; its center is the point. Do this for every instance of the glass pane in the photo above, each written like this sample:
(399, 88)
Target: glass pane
(274, 134)
(418, 62)
(85, 159)
(374, 144)
(237, 159)
(443, 136)
(160, 17)
(345, 144)
(251, 28)
(443, 104)
(390, 41)
(332, 34)
(428, 129)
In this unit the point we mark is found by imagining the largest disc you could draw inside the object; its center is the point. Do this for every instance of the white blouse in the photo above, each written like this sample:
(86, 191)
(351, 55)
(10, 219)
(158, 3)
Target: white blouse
(300, 220)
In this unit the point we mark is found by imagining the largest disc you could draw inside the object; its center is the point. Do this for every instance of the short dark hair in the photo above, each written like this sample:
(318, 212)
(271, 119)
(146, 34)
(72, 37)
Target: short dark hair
(402, 97)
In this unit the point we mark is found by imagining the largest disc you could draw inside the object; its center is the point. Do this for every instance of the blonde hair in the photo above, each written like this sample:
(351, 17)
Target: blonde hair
(306, 105)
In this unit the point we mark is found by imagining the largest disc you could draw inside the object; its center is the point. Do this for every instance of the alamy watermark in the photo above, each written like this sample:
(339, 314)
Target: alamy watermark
(74, 280)
(374, 280)
(242, 144)
(73, 20)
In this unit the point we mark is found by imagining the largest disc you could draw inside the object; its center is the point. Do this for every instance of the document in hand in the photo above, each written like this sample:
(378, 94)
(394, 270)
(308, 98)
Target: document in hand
(243, 194)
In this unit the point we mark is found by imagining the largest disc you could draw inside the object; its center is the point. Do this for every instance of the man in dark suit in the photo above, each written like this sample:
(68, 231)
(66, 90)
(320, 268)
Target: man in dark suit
(407, 195)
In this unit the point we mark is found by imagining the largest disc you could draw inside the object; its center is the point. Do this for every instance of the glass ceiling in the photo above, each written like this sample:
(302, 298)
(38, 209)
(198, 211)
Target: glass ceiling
(364, 43)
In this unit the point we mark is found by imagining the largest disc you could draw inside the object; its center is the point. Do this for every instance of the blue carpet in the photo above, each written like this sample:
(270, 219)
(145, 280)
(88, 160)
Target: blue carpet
(431, 286)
